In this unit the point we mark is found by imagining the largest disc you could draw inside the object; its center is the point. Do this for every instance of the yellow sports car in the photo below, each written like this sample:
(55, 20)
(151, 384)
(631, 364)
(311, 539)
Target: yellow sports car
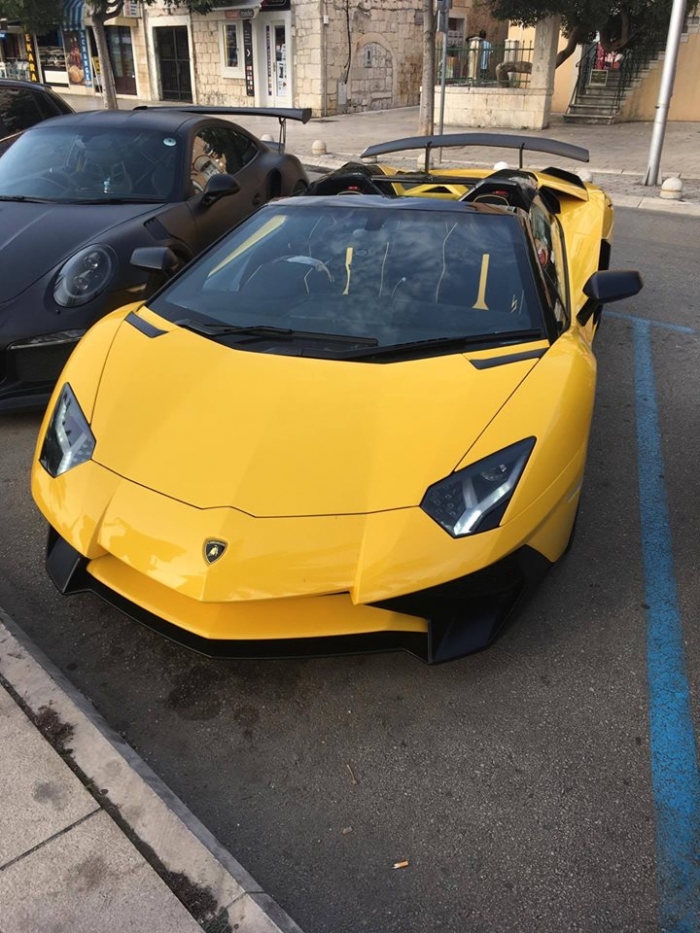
(355, 423)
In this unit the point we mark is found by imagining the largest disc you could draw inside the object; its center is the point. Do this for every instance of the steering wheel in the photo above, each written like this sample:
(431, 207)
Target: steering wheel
(59, 177)
(317, 264)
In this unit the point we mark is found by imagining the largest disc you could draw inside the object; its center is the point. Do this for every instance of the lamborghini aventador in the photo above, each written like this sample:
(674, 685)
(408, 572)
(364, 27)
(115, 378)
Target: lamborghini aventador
(358, 422)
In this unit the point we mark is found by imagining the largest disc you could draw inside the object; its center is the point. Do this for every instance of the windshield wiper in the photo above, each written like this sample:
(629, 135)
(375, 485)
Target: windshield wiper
(262, 331)
(25, 198)
(117, 200)
(465, 341)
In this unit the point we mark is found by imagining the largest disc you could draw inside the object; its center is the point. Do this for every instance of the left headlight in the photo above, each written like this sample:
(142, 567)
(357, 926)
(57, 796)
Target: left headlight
(68, 441)
(474, 499)
(84, 276)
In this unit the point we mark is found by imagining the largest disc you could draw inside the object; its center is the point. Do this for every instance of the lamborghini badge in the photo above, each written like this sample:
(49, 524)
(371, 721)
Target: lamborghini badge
(213, 550)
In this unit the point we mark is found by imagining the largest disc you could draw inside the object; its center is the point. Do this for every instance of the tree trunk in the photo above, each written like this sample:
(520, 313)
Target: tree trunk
(576, 36)
(426, 120)
(109, 90)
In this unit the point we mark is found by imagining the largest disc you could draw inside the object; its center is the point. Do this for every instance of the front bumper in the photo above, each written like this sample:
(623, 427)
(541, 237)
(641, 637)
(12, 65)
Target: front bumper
(437, 624)
(28, 373)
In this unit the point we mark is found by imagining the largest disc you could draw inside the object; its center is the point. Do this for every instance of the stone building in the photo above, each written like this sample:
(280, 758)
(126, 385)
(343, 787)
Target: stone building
(334, 56)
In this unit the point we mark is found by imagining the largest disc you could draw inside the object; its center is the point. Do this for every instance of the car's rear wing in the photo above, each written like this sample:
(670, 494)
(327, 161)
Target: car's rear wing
(492, 140)
(302, 114)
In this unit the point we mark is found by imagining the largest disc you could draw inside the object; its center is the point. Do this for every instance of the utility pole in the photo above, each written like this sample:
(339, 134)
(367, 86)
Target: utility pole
(426, 120)
(668, 75)
(442, 26)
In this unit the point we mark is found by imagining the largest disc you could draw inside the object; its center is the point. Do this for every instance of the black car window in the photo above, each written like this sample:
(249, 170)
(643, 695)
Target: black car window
(61, 163)
(372, 272)
(18, 110)
(217, 150)
(550, 254)
(50, 105)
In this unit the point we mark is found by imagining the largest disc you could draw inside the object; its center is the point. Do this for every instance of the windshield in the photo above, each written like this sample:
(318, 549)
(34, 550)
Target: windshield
(55, 163)
(385, 276)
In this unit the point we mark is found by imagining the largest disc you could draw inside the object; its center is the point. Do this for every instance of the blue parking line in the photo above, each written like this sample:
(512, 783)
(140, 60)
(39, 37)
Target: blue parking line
(674, 761)
(664, 325)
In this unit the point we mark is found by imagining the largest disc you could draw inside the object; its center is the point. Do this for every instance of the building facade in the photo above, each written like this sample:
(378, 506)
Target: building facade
(334, 56)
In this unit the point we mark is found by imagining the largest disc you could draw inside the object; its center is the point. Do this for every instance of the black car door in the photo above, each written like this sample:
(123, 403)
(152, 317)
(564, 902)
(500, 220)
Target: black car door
(218, 149)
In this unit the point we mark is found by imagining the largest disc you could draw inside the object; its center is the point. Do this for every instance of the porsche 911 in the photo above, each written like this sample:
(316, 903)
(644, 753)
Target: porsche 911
(358, 422)
(78, 193)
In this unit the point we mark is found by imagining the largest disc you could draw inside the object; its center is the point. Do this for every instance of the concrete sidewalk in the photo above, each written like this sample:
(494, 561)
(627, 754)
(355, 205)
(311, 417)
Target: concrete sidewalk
(618, 154)
(91, 841)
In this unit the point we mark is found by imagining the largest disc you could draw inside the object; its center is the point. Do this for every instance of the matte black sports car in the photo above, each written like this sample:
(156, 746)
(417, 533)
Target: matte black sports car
(79, 193)
(24, 104)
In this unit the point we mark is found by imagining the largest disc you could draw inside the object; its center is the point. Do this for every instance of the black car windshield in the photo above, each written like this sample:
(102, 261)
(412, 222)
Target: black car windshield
(69, 164)
(384, 275)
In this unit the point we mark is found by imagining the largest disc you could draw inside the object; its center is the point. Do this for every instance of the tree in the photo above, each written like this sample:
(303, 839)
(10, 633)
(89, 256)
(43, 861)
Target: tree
(619, 23)
(37, 16)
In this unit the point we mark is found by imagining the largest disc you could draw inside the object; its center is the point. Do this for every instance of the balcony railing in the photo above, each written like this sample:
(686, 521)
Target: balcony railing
(482, 64)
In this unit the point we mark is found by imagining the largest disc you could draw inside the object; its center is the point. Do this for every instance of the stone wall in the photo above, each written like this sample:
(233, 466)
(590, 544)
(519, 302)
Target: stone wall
(513, 108)
(213, 88)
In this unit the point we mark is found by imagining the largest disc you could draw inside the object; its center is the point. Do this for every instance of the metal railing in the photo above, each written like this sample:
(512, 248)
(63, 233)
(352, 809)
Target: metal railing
(481, 63)
(614, 72)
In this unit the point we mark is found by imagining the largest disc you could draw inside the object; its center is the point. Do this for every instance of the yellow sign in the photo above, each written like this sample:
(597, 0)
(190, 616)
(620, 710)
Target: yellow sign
(31, 57)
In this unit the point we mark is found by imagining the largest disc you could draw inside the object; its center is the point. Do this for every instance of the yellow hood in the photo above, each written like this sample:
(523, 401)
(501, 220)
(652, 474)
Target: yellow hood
(287, 436)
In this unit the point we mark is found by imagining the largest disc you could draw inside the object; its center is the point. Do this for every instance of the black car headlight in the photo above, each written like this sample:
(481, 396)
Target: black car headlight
(68, 441)
(475, 498)
(84, 276)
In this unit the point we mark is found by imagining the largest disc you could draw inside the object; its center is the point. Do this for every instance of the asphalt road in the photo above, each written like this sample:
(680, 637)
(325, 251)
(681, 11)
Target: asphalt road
(517, 782)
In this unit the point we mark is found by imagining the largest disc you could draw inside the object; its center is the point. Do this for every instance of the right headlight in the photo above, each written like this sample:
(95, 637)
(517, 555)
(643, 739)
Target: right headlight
(475, 498)
(84, 276)
(68, 441)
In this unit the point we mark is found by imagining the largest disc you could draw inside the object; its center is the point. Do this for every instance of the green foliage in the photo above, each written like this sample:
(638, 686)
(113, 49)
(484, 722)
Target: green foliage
(633, 22)
(38, 16)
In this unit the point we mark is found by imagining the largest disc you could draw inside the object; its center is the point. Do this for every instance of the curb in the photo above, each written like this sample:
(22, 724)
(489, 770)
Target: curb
(171, 838)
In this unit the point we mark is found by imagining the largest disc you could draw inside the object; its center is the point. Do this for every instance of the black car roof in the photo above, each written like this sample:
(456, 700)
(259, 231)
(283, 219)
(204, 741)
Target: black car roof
(28, 85)
(162, 120)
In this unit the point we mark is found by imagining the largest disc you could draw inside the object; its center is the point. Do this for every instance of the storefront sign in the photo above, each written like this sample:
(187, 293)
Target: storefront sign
(248, 58)
(239, 14)
(85, 56)
(33, 71)
(77, 57)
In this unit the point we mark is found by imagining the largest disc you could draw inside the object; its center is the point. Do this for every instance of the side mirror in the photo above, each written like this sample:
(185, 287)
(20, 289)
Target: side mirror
(155, 259)
(608, 285)
(219, 186)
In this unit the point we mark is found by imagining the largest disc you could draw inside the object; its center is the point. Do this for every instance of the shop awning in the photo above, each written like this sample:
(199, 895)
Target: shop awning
(73, 14)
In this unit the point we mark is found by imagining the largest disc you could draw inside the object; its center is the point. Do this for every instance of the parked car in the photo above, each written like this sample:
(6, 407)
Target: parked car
(24, 104)
(356, 423)
(79, 193)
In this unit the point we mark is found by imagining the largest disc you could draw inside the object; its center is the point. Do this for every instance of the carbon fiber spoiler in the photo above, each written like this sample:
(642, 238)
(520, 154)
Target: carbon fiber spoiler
(302, 115)
(493, 140)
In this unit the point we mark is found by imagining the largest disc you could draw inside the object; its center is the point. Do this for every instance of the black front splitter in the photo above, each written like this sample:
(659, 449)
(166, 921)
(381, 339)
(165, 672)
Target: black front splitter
(463, 616)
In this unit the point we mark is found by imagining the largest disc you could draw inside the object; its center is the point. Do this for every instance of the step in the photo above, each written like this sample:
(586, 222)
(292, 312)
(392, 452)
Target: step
(586, 118)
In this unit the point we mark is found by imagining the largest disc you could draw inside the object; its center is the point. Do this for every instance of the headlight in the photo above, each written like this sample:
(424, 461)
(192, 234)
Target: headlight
(69, 440)
(84, 276)
(475, 498)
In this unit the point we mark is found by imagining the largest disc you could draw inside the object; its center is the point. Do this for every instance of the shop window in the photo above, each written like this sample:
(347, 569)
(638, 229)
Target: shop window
(231, 50)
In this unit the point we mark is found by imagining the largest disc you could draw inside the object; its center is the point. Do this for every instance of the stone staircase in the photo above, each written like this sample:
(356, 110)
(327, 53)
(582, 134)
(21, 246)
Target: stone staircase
(593, 103)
